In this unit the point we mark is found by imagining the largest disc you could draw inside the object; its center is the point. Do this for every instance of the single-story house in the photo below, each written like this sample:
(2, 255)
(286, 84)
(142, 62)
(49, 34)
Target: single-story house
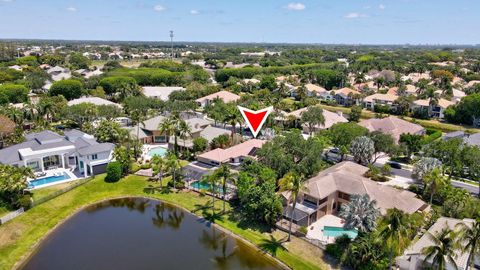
(233, 155)
(413, 258)
(226, 96)
(331, 118)
(58, 73)
(149, 132)
(379, 99)
(47, 150)
(94, 100)
(437, 111)
(392, 125)
(160, 92)
(325, 193)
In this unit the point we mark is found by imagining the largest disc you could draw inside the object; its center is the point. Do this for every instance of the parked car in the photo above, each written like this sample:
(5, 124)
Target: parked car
(395, 165)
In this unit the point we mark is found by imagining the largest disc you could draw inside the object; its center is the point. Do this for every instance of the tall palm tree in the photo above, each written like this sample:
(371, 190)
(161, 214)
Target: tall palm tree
(211, 180)
(15, 115)
(138, 118)
(233, 117)
(224, 175)
(184, 131)
(469, 239)
(434, 180)
(443, 249)
(168, 127)
(396, 232)
(292, 182)
(361, 213)
(174, 165)
(161, 165)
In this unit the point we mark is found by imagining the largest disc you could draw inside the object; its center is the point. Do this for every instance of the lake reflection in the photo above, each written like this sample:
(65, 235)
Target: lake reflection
(138, 233)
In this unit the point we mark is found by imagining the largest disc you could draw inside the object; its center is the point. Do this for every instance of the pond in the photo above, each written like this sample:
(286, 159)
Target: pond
(138, 233)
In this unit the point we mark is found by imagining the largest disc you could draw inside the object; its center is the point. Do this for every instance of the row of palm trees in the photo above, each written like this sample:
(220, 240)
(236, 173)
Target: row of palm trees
(219, 178)
(171, 164)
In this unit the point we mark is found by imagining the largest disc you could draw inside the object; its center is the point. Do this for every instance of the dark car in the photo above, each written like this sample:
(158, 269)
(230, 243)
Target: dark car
(394, 165)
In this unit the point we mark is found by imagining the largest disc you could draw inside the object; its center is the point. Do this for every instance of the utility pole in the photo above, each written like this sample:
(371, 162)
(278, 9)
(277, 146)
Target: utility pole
(171, 44)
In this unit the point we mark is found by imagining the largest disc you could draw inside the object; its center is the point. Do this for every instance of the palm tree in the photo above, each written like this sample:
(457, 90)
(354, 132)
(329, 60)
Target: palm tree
(433, 98)
(292, 182)
(15, 115)
(469, 238)
(396, 232)
(233, 117)
(173, 164)
(211, 179)
(161, 165)
(361, 213)
(184, 131)
(224, 175)
(434, 180)
(168, 126)
(443, 249)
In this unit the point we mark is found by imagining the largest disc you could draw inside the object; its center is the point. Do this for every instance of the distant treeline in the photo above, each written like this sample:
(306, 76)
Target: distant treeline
(222, 75)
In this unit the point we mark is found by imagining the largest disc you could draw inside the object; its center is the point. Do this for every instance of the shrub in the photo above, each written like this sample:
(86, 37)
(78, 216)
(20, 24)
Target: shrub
(114, 171)
(70, 89)
(13, 93)
(112, 85)
(146, 166)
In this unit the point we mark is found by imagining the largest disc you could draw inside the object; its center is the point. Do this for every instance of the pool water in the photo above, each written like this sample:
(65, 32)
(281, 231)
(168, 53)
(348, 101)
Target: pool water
(337, 231)
(159, 151)
(207, 187)
(47, 180)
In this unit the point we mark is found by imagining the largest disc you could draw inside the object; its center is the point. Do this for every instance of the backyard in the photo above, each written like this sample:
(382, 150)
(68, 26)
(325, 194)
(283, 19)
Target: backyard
(19, 236)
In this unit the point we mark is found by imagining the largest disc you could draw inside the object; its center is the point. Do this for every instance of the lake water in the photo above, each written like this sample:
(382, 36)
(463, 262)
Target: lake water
(138, 233)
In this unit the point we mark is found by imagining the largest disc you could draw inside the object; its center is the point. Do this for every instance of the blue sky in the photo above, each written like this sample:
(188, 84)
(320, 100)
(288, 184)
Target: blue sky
(298, 21)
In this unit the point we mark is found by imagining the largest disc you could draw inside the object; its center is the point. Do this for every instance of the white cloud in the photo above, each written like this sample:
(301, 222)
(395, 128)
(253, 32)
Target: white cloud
(295, 6)
(355, 15)
(159, 8)
(72, 9)
(381, 6)
(194, 12)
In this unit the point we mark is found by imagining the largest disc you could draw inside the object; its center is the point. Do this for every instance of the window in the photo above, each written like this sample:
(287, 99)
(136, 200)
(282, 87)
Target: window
(344, 196)
(34, 165)
(322, 201)
(51, 161)
(94, 157)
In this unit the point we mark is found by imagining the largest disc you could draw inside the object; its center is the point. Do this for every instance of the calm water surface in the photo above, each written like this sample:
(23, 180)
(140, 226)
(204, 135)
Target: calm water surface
(139, 233)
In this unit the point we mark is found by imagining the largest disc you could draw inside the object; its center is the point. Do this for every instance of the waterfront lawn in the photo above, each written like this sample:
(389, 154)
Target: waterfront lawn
(19, 235)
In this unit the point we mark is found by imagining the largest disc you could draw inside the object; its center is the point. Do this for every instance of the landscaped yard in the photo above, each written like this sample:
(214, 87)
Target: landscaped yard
(19, 235)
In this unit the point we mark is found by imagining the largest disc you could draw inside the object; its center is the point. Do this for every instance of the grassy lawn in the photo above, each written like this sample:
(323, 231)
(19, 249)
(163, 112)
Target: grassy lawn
(18, 236)
(3, 211)
(42, 192)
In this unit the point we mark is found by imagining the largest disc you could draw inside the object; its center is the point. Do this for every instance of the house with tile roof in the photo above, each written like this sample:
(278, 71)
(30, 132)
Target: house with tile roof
(233, 155)
(346, 96)
(392, 125)
(369, 102)
(331, 118)
(93, 100)
(438, 111)
(226, 96)
(47, 150)
(160, 92)
(413, 258)
(325, 193)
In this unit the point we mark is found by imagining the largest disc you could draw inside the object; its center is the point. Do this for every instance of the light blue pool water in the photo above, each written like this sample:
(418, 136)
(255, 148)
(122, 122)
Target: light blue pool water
(337, 231)
(47, 180)
(207, 187)
(159, 151)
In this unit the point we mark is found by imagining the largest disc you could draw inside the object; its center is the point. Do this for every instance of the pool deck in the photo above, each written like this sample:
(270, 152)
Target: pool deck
(49, 173)
(147, 147)
(315, 230)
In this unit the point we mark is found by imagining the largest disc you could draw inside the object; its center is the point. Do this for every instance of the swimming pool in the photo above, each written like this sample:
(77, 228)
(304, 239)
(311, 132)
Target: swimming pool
(337, 231)
(47, 180)
(159, 151)
(207, 187)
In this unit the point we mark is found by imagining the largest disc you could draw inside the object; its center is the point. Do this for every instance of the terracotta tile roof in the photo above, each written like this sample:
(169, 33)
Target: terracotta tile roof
(224, 95)
(315, 88)
(383, 97)
(443, 103)
(348, 177)
(345, 91)
(392, 125)
(331, 118)
(239, 150)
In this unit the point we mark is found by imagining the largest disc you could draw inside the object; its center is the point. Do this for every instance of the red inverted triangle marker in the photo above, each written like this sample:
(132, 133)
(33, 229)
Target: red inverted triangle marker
(255, 119)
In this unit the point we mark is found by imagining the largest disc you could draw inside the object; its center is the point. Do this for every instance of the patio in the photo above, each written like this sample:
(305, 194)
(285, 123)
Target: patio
(315, 230)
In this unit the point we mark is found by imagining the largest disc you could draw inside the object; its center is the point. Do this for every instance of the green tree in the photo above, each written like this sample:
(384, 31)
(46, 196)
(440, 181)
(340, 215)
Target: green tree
(78, 61)
(13, 93)
(114, 172)
(120, 86)
(383, 144)
(13, 181)
(200, 144)
(174, 165)
(355, 113)
(342, 134)
(361, 213)
(396, 232)
(109, 131)
(70, 89)
(443, 250)
(312, 117)
(160, 165)
(411, 143)
(225, 176)
(469, 239)
(292, 183)
(434, 181)
(124, 156)
(362, 149)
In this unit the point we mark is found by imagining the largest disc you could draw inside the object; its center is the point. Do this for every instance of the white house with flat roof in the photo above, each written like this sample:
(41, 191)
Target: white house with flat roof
(47, 150)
